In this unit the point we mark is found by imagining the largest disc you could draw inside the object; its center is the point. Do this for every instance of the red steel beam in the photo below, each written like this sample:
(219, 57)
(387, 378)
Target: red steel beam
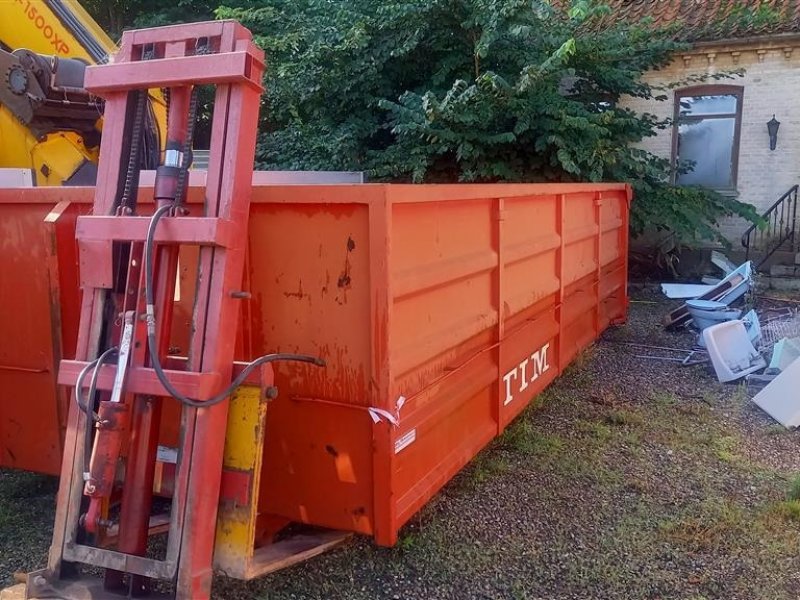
(143, 380)
(173, 230)
(231, 67)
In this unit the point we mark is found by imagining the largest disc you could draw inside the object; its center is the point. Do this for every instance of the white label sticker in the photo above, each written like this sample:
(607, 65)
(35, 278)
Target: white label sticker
(405, 440)
(167, 455)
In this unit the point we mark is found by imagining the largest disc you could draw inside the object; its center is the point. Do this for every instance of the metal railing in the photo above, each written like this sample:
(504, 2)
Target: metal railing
(780, 227)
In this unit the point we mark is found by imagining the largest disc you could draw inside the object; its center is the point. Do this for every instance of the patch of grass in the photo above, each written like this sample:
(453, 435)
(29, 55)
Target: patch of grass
(740, 396)
(727, 456)
(597, 430)
(633, 439)
(559, 455)
(788, 510)
(520, 437)
(519, 591)
(523, 438)
(487, 465)
(710, 526)
(547, 444)
(585, 357)
(699, 413)
(636, 527)
(545, 397)
(639, 486)
(621, 417)
(408, 541)
(606, 476)
(668, 427)
(794, 489)
(723, 447)
(585, 464)
(664, 398)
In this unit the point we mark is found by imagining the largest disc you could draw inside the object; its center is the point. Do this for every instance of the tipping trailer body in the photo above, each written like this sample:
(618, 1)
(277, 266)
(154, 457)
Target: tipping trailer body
(441, 310)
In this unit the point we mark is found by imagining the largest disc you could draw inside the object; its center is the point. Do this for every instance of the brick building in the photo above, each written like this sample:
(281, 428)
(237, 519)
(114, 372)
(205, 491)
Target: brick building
(722, 125)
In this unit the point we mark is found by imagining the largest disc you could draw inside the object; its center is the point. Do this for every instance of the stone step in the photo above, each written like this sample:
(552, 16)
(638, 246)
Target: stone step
(780, 257)
(782, 284)
(784, 270)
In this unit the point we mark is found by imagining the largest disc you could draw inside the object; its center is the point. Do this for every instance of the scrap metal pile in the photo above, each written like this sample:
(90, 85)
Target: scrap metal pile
(741, 341)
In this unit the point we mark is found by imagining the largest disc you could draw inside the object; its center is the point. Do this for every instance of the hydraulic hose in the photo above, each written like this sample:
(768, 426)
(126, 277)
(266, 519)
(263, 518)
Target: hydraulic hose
(91, 416)
(95, 364)
(152, 345)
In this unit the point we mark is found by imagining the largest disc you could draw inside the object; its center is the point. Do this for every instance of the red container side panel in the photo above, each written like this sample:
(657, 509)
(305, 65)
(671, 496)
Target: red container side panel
(520, 286)
(37, 295)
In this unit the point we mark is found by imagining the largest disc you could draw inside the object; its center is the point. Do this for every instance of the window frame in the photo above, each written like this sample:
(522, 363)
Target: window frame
(710, 90)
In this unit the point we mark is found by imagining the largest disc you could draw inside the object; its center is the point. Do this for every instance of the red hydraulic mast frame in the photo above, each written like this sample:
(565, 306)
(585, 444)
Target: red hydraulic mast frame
(166, 57)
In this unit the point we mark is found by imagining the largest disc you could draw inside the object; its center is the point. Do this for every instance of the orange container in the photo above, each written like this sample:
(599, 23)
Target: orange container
(441, 311)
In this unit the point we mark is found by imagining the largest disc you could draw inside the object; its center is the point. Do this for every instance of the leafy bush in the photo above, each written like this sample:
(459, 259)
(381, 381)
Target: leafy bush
(471, 90)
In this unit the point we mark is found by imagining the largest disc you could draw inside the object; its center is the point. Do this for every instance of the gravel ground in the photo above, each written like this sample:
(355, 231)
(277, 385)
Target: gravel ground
(629, 478)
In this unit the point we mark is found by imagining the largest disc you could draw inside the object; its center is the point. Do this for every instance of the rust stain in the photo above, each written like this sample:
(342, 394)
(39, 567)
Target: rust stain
(327, 283)
(340, 381)
(345, 280)
(299, 294)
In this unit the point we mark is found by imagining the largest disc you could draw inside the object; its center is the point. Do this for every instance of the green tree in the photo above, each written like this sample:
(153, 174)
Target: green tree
(117, 15)
(471, 90)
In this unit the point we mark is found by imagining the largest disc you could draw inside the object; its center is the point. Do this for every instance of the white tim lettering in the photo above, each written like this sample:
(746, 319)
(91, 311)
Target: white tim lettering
(507, 378)
(523, 381)
(540, 364)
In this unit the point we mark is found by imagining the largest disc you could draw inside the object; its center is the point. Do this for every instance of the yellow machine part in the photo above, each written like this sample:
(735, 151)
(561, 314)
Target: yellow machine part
(53, 160)
(244, 449)
(33, 25)
(58, 156)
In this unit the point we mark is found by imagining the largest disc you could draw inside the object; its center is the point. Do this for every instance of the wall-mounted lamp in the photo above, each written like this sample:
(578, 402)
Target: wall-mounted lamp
(772, 128)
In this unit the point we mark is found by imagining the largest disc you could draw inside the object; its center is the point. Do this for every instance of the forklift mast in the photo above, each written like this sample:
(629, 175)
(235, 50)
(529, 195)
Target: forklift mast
(128, 259)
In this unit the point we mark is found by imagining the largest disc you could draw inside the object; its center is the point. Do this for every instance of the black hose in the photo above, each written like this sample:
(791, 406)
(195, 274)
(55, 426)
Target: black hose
(95, 364)
(79, 383)
(91, 416)
(149, 248)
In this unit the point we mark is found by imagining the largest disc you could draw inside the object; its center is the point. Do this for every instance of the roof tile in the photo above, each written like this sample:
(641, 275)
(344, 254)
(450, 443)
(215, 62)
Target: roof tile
(706, 20)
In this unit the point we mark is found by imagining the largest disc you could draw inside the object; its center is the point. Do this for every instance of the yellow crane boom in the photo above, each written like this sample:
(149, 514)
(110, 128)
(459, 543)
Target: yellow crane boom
(48, 123)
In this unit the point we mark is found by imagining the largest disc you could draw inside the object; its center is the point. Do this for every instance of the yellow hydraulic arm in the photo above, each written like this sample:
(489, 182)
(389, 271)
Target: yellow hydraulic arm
(48, 123)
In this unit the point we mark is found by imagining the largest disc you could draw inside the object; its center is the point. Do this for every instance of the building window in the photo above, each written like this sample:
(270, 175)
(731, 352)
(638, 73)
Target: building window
(706, 136)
